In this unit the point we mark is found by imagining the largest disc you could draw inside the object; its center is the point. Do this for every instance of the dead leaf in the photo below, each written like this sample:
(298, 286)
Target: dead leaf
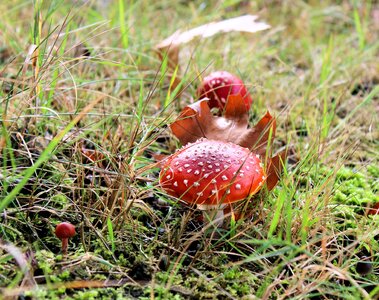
(170, 47)
(197, 121)
(274, 169)
(245, 23)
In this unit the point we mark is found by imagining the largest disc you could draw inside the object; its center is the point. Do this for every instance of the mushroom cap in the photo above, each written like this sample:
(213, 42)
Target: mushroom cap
(65, 230)
(210, 172)
(217, 86)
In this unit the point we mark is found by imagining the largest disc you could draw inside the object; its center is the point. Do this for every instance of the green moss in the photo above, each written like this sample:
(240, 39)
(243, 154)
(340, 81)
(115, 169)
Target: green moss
(354, 188)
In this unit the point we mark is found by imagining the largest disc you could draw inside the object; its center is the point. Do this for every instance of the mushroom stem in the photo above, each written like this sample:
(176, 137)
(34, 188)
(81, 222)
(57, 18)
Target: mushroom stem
(64, 246)
(212, 214)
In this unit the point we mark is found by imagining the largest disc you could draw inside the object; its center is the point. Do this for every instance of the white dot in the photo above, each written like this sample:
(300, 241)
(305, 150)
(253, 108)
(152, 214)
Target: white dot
(247, 168)
(224, 177)
(197, 172)
(217, 164)
(185, 181)
(175, 183)
(200, 164)
(227, 192)
(189, 170)
(177, 163)
(210, 166)
(186, 165)
(206, 175)
(180, 169)
(214, 181)
(168, 176)
(214, 191)
(200, 194)
(238, 186)
(196, 184)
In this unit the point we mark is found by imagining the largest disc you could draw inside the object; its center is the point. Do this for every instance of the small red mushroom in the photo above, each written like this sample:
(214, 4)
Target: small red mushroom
(64, 231)
(212, 174)
(219, 85)
(374, 210)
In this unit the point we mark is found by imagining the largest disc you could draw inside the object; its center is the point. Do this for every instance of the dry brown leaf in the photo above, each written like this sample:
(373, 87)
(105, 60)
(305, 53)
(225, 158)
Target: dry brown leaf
(197, 121)
(274, 169)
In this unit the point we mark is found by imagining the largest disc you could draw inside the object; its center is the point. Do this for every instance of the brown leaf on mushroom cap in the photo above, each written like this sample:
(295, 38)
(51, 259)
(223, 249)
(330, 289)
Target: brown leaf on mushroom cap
(197, 121)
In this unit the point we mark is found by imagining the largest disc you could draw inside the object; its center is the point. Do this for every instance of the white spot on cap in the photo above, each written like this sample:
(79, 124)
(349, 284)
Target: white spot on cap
(200, 164)
(186, 165)
(206, 175)
(196, 184)
(214, 191)
(185, 181)
(217, 81)
(197, 172)
(238, 186)
(214, 181)
(241, 174)
(224, 177)
(177, 163)
(175, 183)
(217, 164)
(189, 170)
(263, 177)
(180, 169)
(227, 191)
(210, 166)
(200, 194)
(223, 99)
(168, 176)
(247, 168)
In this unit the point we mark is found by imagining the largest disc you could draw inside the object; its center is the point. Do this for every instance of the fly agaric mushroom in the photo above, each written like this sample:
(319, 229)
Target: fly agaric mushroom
(219, 85)
(64, 231)
(212, 174)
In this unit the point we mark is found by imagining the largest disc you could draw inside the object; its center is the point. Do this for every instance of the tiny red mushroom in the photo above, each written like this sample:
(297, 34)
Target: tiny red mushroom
(374, 210)
(212, 174)
(64, 231)
(219, 85)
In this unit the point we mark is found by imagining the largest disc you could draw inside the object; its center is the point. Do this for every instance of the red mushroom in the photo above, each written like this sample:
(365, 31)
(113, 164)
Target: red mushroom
(374, 210)
(212, 174)
(64, 231)
(219, 85)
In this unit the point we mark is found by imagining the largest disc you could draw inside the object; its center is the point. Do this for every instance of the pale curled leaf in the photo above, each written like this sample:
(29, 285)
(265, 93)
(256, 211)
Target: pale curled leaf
(245, 23)
(197, 121)
(170, 46)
